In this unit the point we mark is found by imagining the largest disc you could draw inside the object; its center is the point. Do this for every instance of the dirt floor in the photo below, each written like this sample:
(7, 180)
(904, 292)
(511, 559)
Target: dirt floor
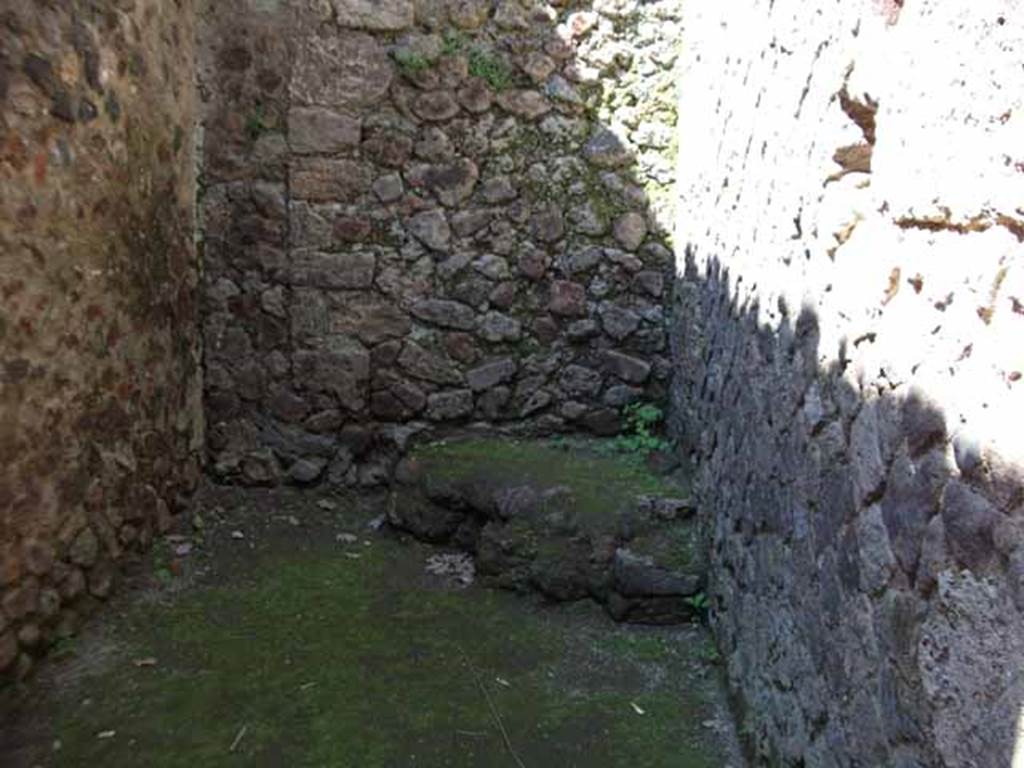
(284, 629)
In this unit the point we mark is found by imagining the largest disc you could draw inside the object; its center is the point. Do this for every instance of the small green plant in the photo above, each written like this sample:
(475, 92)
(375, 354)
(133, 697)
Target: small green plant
(256, 123)
(161, 563)
(454, 42)
(410, 62)
(641, 422)
(711, 654)
(490, 67)
(483, 62)
(698, 602)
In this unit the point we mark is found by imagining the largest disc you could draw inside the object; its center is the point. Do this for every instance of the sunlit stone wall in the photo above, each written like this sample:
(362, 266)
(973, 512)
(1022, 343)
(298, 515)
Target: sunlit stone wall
(848, 364)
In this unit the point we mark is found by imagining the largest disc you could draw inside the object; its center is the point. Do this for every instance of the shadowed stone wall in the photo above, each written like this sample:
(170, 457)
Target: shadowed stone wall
(422, 215)
(100, 415)
(848, 366)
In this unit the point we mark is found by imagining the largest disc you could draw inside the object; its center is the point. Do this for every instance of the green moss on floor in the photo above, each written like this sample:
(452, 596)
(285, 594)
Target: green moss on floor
(318, 655)
(601, 483)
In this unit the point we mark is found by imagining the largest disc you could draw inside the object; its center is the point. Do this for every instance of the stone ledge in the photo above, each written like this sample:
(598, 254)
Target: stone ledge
(568, 522)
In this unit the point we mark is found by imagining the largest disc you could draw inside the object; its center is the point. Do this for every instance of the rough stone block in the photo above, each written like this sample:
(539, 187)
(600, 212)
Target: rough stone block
(446, 314)
(341, 369)
(375, 15)
(431, 228)
(449, 406)
(312, 269)
(349, 71)
(317, 130)
(325, 180)
(578, 380)
(372, 320)
(491, 374)
(496, 327)
(429, 366)
(969, 521)
(567, 299)
(628, 368)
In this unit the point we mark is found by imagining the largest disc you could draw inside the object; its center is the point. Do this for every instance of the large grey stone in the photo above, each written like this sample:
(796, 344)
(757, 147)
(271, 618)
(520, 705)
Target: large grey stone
(577, 380)
(452, 182)
(375, 15)
(498, 190)
(347, 71)
(448, 406)
(866, 453)
(475, 96)
(341, 368)
(306, 471)
(581, 330)
(524, 103)
(317, 130)
(630, 230)
(389, 188)
(447, 314)
(429, 366)
(292, 443)
(618, 321)
(628, 368)
(496, 327)
(969, 522)
(435, 106)
(567, 299)
(492, 403)
(877, 562)
(493, 267)
(639, 576)
(371, 319)
(547, 224)
(469, 14)
(491, 374)
(606, 150)
(621, 395)
(431, 228)
(312, 269)
(328, 180)
(469, 222)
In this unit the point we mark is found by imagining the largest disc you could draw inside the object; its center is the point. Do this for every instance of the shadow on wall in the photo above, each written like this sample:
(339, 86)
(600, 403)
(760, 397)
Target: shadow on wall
(426, 217)
(396, 245)
(100, 412)
(867, 584)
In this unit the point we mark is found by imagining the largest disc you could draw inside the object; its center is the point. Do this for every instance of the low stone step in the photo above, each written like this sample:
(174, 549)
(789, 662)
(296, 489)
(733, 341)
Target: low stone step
(570, 525)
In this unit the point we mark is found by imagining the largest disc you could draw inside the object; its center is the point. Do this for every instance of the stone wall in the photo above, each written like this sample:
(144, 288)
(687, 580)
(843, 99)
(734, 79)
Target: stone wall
(426, 215)
(100, 421)
(849, 370)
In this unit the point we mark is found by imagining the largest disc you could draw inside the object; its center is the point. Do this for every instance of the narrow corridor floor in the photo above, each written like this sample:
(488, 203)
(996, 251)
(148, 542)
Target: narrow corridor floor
(293, 634)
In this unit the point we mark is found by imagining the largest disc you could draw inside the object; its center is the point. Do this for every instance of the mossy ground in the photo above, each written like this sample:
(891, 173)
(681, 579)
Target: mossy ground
(300, 650)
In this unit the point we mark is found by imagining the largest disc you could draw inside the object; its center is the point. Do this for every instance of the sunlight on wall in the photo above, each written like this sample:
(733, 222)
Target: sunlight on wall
(1018, 749)
(862, 162)
(914, 267)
